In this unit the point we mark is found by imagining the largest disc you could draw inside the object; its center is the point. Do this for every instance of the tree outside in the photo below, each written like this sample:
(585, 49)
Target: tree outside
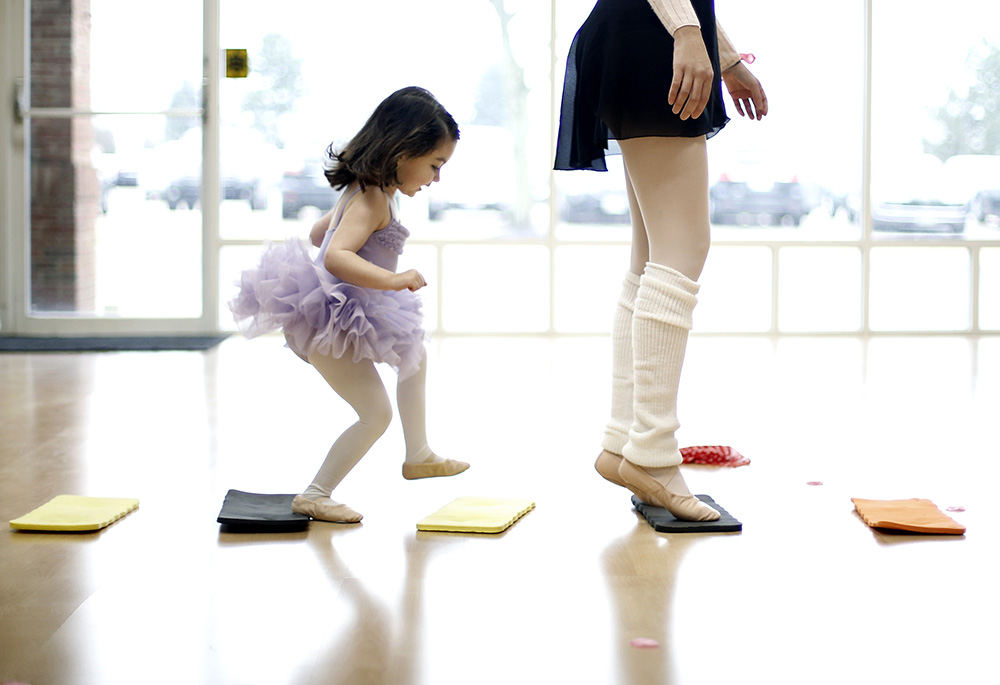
(279, 73)
(970, 122)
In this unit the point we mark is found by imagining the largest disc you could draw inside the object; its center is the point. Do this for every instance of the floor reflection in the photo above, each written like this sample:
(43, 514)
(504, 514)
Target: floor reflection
(641, 573)
(359, 651)
(374, 646)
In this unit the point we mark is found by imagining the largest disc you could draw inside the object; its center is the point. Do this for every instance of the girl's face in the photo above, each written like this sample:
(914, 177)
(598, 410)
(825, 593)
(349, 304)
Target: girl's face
(416, 172)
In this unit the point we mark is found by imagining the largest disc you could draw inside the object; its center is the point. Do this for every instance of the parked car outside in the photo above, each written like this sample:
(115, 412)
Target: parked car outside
(595, 198)
(247, 164)
(919, 215)
(186, 190)
(977, 178)
(986, 205)
(760, 198)
(306, 187)
(916, 195)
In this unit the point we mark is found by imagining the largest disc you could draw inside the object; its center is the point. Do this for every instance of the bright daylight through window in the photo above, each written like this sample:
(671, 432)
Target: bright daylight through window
(794, 250)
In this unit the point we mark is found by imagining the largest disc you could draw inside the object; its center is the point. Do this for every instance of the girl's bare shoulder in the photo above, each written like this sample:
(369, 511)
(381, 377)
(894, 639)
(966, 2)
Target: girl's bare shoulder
(370, 207)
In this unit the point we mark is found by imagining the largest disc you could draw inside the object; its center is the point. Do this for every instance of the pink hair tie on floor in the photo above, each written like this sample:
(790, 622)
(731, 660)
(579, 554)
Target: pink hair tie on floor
(644, 643)
(716, 455)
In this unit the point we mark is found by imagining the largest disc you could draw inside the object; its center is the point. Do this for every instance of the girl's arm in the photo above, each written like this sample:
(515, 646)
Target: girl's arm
(319, 228)
(366, 213)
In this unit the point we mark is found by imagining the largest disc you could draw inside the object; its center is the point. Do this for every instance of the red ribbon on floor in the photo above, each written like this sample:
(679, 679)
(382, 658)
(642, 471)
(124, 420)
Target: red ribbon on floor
(716, 455)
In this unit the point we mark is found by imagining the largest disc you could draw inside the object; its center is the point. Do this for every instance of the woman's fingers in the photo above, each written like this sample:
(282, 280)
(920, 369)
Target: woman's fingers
(675, 89)
(761, 102)
(704, 93)
(691, 84)
(739, 107)
(745, 90)
(689, 93)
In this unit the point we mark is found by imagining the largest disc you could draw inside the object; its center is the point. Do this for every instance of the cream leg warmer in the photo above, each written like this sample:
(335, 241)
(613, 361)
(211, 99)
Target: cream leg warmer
(665, 301)
(616, 432)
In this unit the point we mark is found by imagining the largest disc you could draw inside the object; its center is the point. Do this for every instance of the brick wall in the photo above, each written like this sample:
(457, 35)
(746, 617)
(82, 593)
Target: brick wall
(65, 193)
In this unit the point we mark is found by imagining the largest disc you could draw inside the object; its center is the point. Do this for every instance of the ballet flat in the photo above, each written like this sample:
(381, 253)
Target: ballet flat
(651, 491)
(607, 465)
(325, 509)
(434, 469)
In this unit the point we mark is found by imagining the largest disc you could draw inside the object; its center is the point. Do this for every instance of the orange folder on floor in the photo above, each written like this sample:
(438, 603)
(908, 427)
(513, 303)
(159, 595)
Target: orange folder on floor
(914, 515)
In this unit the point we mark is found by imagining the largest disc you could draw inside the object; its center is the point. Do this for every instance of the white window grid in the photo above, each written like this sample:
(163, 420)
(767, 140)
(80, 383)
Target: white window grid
(213, 243)
(864, 244)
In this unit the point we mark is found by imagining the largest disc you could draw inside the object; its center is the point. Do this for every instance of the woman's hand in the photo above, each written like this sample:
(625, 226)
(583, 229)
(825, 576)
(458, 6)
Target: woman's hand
(408, 280)
(745, 89)
(692, 82)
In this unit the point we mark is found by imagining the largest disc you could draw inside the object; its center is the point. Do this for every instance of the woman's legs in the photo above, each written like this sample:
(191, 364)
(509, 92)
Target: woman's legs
(640, 241)
(668, 180)
(616, 431)
(689, 249)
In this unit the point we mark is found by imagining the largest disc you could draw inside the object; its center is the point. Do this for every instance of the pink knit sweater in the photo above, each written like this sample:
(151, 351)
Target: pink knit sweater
(677, 13)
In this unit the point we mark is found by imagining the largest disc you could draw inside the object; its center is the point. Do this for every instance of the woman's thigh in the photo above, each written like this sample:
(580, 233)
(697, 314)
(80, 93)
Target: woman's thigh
(669, 177)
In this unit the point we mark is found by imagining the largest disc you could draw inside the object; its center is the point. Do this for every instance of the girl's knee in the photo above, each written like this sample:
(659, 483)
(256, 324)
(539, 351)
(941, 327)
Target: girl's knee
(378, 415)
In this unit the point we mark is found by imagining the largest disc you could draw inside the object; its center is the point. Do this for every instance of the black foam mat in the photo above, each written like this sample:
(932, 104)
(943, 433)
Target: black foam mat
(664, 522)
(254, 512)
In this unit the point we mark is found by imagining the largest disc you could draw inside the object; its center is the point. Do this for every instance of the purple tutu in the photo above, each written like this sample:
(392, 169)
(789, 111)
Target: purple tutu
(320, 313)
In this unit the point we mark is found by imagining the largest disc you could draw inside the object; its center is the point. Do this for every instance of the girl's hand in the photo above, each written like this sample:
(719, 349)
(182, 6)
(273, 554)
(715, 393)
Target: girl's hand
(408, 280)
(692, 82)
(745, 89)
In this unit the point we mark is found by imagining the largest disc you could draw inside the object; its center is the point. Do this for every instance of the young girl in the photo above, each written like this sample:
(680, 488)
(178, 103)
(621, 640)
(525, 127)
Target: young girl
(348, 308)
(649, 73)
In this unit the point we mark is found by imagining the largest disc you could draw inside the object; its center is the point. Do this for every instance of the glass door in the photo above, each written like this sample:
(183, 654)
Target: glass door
(110, 110)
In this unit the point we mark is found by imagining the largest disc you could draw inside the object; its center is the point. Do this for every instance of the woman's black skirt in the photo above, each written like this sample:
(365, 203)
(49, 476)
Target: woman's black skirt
(618, 77)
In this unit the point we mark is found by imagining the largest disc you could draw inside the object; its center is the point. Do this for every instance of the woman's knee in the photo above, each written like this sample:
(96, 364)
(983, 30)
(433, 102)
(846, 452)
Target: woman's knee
(700, 245)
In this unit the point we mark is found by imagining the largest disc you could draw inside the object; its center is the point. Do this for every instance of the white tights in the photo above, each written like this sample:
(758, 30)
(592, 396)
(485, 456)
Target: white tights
(360, 385)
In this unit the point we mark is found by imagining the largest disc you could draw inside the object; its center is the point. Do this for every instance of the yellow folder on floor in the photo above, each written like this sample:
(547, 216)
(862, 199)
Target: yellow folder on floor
(477, 515)
(75, 513)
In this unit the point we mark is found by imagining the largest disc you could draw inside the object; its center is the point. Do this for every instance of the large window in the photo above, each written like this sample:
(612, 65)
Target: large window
(935, 165)
(795, 249)
(798, 246)
(868, 201)
(317, 72)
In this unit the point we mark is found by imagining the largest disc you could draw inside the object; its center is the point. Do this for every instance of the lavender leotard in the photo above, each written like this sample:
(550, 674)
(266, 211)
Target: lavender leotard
(320, 313)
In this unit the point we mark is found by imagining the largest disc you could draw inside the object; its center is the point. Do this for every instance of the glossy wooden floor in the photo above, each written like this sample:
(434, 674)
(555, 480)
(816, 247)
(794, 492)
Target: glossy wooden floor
(805, 594)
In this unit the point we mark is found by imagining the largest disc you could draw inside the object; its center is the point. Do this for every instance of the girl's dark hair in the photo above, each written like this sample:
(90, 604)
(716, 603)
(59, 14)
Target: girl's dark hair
(409, 122)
